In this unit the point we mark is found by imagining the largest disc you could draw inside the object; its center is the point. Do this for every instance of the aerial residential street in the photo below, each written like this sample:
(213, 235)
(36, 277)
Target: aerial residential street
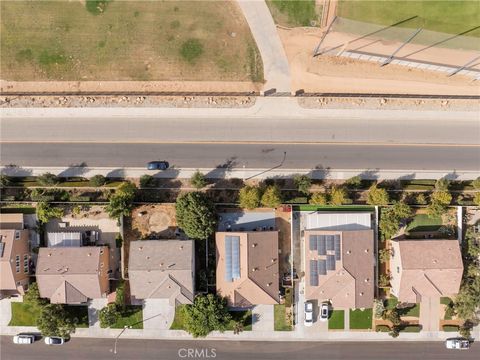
(87, 349)
(184, 155)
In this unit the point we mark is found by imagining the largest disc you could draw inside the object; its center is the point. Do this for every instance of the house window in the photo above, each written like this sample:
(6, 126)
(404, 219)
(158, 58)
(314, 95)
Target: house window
(17, 263)
(25, 263)
(17, 235)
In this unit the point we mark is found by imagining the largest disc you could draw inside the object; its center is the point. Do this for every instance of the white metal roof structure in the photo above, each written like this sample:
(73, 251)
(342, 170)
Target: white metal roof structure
(64, 239)
(338, 221)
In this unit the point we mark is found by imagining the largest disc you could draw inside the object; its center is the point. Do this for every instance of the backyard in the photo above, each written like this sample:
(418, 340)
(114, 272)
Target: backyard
(126, 40)
(448, 16)
(423, 223)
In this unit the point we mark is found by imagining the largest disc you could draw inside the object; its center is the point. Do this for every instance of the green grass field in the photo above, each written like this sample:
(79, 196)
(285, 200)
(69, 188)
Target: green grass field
(361, 319)
(133, 316)
(293, 13)
(336, 320)
(244, 316)
(422, 222)
(280, 319)
(23, 314)
(129, 40)
(448, 16)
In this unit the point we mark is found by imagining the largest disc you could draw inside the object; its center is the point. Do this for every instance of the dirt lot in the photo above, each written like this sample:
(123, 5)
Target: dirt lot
(153, 221)
(127, 40)
(335, 74)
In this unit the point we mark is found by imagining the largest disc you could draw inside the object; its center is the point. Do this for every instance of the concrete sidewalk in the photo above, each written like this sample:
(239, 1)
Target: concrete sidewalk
(275, 63)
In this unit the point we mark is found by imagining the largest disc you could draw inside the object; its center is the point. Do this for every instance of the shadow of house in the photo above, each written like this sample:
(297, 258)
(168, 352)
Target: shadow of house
(74, 170)
(319, 172)
(116, 174)
(15, 170)
(221, 170)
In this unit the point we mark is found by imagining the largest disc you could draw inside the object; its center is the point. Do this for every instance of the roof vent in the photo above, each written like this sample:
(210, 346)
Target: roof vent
(89, 254)
(254, 245)
(254, 269)
(361, 294)
(349, 252)
(273, 260)
(367, 280)
(268, 284)
(181, 247)
(140, 248)
(161, 264)
(49, 254)
(147, 257)
(435, 261)
(366, 251)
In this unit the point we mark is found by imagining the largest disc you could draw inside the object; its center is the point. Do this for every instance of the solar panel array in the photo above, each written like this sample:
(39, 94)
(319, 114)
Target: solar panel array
(330, 242)
(2, 248)
(330, 262)
(337, 247)
(313, 242)
(322, 250)
(313, 273)
(232, 258)
(322, 267)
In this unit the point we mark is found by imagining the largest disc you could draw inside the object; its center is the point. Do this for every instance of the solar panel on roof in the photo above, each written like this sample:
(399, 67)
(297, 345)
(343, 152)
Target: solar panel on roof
(322, 267)
(235, 257)
(313, 273)
(2, 248)
(313, 242)
(337, 247)
(228, 259)
(330, 262)
(321, 245)
(330, 242)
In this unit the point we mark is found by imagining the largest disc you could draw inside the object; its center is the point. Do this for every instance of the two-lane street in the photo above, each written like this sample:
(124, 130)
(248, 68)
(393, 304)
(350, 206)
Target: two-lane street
(100, 349)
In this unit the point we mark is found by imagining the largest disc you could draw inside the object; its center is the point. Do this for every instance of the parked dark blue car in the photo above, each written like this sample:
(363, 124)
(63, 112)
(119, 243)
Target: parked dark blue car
(158, 165)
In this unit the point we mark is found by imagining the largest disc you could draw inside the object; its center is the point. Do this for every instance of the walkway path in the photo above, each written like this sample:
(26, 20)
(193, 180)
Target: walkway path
(275, 64)
(262, 318)
(94, 307)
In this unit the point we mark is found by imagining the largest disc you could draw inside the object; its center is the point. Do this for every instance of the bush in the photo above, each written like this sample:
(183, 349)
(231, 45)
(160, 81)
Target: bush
(109, 315)
(32, 296)
(45, 212)
(420, 199)
(442, 184)
(195, 215)
(302, 183)
(48, 179)
(338, 196)
(384, 280)
(249, 197)
(198, 180)
(297, 200)
(98, 180)
(476, 199)
(476, 183)
(96, 7)
(450, 328)
(191, 50)
(378, 308)
(390, 218)
(5, 180)
(118, 241)
(53, 320)
(382, 328)
(354, 182)
(318, 198)
(147, 181)
(377, 196)
(120, 296)
(120, 203)
(271, 197)
(384, 255)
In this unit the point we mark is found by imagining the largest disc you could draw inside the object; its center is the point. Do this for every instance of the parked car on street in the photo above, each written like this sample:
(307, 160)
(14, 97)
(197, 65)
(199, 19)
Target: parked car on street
(24, 339)
(54, 340)
(324, 312)
(457, 343)
(158, 165)
(308, 321)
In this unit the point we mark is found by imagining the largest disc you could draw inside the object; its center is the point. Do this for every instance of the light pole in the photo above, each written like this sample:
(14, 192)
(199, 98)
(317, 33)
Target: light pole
(118, 336)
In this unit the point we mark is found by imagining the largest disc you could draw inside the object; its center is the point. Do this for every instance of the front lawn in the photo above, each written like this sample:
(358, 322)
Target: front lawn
(23, 314)
(79, 313)
(280, 318)
(421, 222)
(336, 320)
(132, 316)
(391, 302)
(361, 319)
(244, 316)
(179, 319)
(413, 311)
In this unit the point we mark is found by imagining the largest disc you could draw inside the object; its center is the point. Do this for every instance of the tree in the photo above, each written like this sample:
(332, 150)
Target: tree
(45, 212)
(32, 296)
(109, 315)
(476, 183)
(420, 199)
(377, 196)
(394, 317)
(98, 180)
(318, 198)
(198, 180)
(302, 183)
(338, 196)
(390, 218)
(249, 197)
(442, 184)
(476, 199)
(378, 308)
(5, 180)
(271, 197)
(147, 181)
(208, 313)
(195, 215)
(48, 179)
(120, 296)
(442, 197)
(435, 210)
(354, 182)
(53, 320)
(238, 327)
(394, 332)
(384, 255)
(121, 202)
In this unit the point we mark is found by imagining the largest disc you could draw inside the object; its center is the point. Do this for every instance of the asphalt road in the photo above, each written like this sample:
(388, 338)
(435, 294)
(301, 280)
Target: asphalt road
(99, 349)
(334, 156)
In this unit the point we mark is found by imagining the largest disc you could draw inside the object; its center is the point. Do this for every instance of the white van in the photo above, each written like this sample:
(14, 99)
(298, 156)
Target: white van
(24, 339)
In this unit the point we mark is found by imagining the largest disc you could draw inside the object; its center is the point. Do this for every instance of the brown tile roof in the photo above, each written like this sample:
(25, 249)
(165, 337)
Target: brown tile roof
(71, 275)
(259, 272)
(11, 221)
(429, 268)
(162, 269)
(351, 284)
(9, 248)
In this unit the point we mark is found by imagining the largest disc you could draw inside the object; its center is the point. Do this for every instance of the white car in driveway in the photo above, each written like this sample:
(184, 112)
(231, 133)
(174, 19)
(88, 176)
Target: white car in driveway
(54, 340)
(324, 312)
(457, 344)
(308, 321)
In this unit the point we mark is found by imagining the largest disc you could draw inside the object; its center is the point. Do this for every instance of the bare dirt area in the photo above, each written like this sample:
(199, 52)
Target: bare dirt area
(128, 101)
(153, 221)
(328, 73)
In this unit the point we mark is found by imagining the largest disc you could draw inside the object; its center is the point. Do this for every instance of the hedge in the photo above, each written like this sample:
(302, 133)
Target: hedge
(382, 328)
(297, 200)
(450, 328)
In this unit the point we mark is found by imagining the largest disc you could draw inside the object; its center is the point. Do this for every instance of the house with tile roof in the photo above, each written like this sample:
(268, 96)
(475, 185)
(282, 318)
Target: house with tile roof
(162, 269)
(425, 268)
(73, 275)
(248, 268)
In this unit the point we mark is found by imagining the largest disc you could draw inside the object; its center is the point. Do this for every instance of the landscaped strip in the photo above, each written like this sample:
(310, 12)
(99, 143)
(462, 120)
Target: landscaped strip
(280, 318)
(336, 320)
(131, 317)
(360, 319)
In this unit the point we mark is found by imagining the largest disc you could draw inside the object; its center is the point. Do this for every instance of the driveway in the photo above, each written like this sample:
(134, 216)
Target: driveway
(275, 63)
(429, 313)
(157, 314)
(262, 318)
(94, 306)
